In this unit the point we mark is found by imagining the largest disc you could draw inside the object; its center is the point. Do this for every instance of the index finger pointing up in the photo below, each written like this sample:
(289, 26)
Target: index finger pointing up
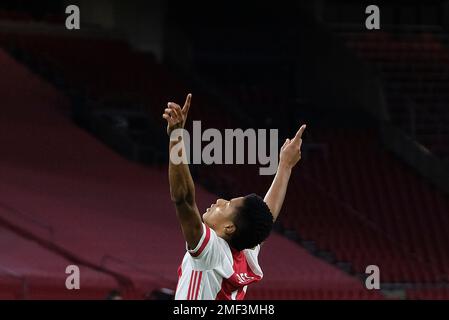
(186, 107)
(300, 132)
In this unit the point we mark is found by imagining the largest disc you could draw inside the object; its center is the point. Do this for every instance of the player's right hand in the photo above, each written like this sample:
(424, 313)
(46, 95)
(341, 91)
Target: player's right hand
(175, 116)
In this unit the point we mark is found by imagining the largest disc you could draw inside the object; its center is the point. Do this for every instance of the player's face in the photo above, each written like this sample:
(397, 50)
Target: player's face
(221, 214)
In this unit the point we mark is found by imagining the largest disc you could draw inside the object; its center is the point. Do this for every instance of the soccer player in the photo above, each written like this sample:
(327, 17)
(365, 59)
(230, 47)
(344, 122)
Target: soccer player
(223, 245)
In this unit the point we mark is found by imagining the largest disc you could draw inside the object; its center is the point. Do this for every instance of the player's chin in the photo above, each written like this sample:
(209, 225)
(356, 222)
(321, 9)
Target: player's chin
(206, 215)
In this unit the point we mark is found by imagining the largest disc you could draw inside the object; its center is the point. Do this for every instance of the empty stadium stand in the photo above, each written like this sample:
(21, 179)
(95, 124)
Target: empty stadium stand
(68, 199)
(330, 201)
(414, 68)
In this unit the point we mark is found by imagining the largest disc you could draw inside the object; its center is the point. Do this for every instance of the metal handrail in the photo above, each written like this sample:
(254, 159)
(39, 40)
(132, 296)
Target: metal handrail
(16, 212)
(18, 276)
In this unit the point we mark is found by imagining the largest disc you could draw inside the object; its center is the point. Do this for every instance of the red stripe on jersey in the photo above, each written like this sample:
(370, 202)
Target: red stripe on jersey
(204, 244)
(190, 285)
(195, 279)
(198, 285)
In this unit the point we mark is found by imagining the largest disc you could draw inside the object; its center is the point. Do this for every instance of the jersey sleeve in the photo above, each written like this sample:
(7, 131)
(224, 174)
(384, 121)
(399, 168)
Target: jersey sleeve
(254, 252)
(209, 251)
(252, 257)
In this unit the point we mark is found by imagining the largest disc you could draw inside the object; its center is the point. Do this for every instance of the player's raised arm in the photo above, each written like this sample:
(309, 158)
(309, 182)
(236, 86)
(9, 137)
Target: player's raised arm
(182, 189)
(289, 157)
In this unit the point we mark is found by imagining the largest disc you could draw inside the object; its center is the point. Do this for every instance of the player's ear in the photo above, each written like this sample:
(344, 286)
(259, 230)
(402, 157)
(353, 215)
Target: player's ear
(229, 228)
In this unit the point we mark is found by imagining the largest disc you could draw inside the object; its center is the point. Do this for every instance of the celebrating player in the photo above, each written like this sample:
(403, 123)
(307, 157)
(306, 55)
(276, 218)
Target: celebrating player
(223, 244)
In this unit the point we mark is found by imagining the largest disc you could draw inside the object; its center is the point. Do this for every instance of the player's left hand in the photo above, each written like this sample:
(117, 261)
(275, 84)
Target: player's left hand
(291, 150)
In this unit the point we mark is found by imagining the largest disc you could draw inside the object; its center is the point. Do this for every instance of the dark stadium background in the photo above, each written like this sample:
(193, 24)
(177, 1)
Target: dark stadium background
(83, 149)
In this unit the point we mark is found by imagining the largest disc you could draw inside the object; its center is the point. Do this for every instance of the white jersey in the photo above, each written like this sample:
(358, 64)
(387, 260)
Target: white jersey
(215, 271)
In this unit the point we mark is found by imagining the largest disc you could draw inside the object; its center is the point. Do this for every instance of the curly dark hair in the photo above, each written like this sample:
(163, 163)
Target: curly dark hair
(253, 223)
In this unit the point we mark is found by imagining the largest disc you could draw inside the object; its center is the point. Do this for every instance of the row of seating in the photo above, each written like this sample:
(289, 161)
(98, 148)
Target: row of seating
(415, 68)
(80, 203)
(355, 201)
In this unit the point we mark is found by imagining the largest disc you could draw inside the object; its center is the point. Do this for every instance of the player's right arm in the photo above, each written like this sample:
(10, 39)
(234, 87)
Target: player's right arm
(182, 189)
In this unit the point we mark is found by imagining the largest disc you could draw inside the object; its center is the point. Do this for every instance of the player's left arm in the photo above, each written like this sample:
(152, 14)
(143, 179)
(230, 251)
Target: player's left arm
(289, 157)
